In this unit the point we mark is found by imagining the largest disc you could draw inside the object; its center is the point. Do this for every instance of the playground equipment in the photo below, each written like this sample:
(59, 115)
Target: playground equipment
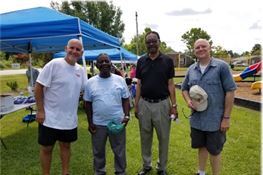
(256, 85)
(251, 70)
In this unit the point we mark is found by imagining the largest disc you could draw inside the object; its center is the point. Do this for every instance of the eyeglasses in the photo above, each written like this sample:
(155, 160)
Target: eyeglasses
(104, 61)
(151, 41)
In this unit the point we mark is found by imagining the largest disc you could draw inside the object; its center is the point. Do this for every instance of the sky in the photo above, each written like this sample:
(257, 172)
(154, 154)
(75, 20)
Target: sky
(233, 25)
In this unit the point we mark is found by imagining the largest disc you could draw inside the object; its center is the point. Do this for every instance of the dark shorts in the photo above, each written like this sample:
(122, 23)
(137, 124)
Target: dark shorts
(48, 136)
(212, 141)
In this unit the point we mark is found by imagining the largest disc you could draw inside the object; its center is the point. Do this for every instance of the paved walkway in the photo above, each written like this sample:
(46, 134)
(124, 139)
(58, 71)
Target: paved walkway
(14, 71)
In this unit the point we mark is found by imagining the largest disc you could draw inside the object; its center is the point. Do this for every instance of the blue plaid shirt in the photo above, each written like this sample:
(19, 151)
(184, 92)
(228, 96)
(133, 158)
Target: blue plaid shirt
(216, 81)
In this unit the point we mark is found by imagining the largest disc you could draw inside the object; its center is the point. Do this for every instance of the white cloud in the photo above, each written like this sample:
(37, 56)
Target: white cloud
(188, 11)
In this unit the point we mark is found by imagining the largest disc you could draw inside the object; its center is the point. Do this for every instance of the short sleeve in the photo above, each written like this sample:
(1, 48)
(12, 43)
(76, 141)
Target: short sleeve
(138, 69)
(87, 91)
(171, 68)
(45, 75)
(227, 80)
(185, 85)
(125, 90)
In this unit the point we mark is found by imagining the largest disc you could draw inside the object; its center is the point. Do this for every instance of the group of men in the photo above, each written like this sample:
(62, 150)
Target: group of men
(106, 100)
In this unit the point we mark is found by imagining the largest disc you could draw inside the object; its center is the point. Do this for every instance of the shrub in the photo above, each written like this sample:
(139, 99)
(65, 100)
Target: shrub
(13, 85)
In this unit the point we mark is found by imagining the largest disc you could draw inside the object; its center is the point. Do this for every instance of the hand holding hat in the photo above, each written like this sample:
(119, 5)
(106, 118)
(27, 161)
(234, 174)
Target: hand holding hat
(198, 97)
(115, 128)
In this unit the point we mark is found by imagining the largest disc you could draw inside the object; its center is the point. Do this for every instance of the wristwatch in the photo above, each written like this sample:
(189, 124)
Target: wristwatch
(174, 105)
(127, 117)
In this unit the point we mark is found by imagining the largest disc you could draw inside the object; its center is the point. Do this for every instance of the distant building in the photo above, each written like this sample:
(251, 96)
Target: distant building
(180, 59)
(246, 60)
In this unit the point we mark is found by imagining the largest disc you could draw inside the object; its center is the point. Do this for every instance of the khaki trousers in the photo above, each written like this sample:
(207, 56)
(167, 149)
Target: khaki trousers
(154, 116)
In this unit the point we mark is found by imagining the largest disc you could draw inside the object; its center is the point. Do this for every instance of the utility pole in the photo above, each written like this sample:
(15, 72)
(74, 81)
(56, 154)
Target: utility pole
(137, 35)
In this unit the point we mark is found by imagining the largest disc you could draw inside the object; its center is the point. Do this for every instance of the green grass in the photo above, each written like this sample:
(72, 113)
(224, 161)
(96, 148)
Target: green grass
(241, 154)
(20, 79)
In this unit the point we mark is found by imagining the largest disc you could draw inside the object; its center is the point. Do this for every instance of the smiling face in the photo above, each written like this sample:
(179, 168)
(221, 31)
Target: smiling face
(104, 65)
(202, 49)
(74, 51)
(152, 43)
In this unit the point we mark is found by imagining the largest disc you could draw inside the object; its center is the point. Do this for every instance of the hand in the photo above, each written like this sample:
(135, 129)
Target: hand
(190, 105)
(92, 128)
(125, 121)
(40, 117)
(225, 124)
(173, 110)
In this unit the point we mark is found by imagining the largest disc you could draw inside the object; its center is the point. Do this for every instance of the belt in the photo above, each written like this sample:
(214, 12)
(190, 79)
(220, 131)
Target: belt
(154, 100)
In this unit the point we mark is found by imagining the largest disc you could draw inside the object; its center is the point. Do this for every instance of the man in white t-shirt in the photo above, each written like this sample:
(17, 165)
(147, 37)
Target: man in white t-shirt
(57, 94)
(106, 98)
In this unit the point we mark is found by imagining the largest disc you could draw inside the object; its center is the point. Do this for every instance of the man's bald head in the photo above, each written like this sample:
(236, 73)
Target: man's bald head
(201, 41)
(202, 50)
(74, 50)
(75, 41)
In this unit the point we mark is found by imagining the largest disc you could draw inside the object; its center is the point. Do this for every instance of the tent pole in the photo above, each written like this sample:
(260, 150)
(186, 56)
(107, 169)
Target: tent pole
(83, 56)
(121, 58)
(30, 65)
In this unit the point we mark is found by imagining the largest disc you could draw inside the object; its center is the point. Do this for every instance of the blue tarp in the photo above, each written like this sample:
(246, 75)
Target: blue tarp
(47, 30)
(115, 54)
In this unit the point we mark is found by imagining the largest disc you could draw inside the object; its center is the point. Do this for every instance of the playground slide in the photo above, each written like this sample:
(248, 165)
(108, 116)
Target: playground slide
(251, 70)
(256, 85)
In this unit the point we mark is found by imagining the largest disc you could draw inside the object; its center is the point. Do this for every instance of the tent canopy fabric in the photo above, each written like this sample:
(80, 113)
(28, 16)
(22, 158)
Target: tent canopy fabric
(114, 54)
(42, 29)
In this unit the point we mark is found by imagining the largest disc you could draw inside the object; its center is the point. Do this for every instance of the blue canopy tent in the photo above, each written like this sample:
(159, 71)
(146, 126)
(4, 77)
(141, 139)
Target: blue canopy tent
(42, 29)
(115, 54)
(120, 55)
(48, 30)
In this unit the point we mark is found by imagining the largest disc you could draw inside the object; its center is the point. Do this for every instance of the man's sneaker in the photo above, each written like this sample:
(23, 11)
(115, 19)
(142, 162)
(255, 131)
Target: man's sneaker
(145, 171)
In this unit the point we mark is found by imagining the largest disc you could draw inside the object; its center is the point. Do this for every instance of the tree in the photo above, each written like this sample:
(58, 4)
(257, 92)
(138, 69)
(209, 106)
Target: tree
(221, 53)
(141, 44)
(100, 14)
(191, 36)
(233, 54)
(256, 50)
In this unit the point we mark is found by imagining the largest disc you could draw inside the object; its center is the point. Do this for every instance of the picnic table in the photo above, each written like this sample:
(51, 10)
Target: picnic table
(16, 108)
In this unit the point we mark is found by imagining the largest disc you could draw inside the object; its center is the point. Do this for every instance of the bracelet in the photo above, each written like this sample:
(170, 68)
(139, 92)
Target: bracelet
(127, 117)
(226, 118)
(174, 105)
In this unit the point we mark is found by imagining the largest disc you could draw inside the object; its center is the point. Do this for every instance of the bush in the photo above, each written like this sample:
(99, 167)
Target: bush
(13, 85)
(5, 64)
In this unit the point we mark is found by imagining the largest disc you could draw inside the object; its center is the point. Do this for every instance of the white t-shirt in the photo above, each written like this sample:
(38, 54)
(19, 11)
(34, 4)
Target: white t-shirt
(62, 85)
(106, 96)
(203, 67)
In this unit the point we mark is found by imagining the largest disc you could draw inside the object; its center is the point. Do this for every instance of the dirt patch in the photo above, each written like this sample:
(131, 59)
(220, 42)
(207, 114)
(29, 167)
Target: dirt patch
(244, 91)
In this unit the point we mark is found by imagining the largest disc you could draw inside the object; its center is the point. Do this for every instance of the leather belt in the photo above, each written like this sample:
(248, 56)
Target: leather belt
(154, 100)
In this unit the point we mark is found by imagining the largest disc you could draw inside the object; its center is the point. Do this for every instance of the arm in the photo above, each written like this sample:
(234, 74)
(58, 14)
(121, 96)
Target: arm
(171, 89)
(229, 101)
(88, 110)
(187, 99)
(39, 96)
(126, 109)
(137, 97)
